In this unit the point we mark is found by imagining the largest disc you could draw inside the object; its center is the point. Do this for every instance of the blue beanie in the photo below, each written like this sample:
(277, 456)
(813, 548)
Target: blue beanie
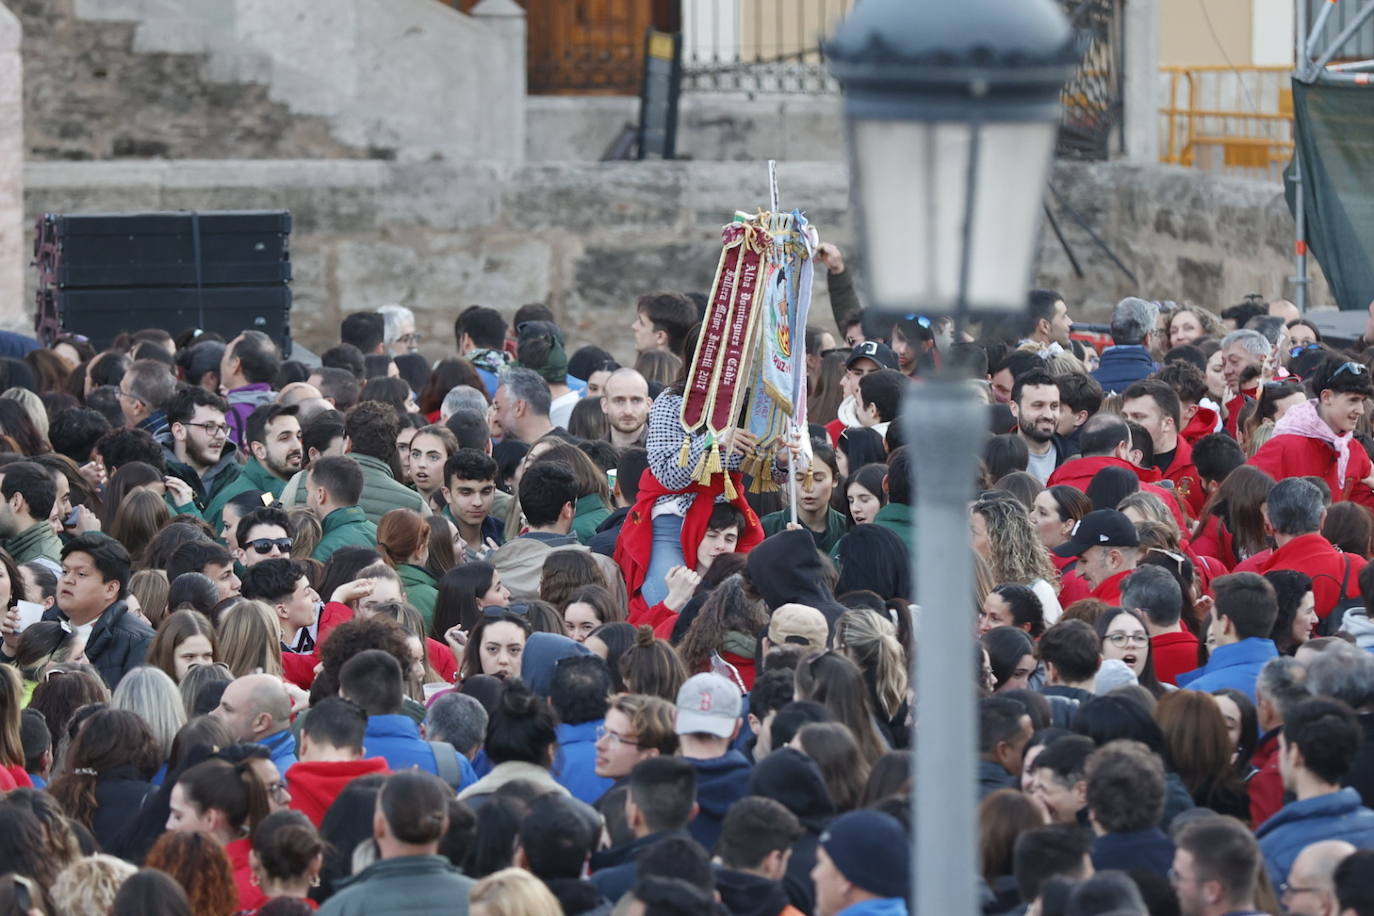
(872, 851)
(543, 652)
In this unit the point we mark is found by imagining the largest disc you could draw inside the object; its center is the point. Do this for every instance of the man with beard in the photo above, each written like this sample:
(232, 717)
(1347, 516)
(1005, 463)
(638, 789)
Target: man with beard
(273, 436)
(1035, 405)
(626, 405)
(197, 448)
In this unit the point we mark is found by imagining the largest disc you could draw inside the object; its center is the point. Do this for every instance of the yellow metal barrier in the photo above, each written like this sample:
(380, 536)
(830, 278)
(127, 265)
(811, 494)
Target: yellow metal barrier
(1237, 120)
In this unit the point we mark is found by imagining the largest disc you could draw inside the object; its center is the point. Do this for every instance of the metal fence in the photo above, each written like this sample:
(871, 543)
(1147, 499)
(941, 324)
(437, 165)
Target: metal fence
(1228, 119)
(758, 45)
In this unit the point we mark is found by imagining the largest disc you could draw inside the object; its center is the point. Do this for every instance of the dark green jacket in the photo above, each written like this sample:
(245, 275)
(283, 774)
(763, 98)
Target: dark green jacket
(382, 492)
(588, 512)
(252, 476)
(897, 518)
(421, 591)
(836, 527)
(346, 527)
(419, 885)
(206, 486)
(33, 542)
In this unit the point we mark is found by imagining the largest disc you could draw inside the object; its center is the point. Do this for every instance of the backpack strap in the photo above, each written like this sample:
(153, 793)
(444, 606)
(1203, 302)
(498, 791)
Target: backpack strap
(446, 762)
(1345, 580)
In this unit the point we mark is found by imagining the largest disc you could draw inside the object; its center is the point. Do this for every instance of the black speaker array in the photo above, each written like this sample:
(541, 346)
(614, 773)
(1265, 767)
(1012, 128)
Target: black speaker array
(225, 271)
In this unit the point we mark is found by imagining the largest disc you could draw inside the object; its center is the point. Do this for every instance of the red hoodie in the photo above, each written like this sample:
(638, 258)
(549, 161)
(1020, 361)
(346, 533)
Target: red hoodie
(1235, 406)
(1301, 456)
(250, 895)
(1187, 484)
(299, 667)
(1328, 567)
(1079, 473)
(315, 784)
(1203, 423)
(1173, 654)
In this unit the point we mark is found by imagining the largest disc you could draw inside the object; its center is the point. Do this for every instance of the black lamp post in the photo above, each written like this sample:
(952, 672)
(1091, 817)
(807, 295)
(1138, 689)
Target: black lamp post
(951, 110)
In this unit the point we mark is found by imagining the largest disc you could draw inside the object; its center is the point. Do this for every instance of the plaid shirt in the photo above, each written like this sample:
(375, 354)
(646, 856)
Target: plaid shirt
(664, 444)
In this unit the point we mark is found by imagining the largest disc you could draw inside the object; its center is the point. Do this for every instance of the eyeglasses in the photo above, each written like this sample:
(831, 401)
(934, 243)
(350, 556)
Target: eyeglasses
(409, 339)
(120, 393)
(1290, 890)
(1353, 368)
(263, 545)
(211, 429)
(1121, 640)
(276, 789)
(604, 732)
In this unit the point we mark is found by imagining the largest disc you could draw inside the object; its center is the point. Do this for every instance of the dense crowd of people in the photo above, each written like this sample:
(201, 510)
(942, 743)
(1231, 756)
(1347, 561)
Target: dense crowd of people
(385, 635)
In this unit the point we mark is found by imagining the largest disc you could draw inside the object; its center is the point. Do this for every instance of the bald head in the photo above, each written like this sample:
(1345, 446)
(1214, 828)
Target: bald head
(1316, 864)
(1103, 434)
(625, 401)
(305, 397)
(254, 707)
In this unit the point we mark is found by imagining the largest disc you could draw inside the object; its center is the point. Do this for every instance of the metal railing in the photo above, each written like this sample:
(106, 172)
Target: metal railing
(757, 45)
(1238, 121)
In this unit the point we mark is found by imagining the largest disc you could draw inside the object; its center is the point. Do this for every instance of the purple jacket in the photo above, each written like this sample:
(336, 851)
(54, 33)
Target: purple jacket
(242, 402)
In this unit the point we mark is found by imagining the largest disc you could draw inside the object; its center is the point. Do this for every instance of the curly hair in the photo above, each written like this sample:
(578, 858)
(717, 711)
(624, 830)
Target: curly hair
(199, 864)
(1015, 552)
(729, 608)
(87, 887)
(350, 638)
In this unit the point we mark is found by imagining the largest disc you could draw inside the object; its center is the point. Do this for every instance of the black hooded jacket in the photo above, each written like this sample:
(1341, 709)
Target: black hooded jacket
(787, 569)
(744, 894)
(118, 641)
(792, 779)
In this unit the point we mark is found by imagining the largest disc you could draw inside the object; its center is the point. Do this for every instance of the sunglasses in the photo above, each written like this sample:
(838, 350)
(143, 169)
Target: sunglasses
(1352, 367)
(1300, 349)
(843, 351)
(495, 610)
(922, 320)
(262, 545)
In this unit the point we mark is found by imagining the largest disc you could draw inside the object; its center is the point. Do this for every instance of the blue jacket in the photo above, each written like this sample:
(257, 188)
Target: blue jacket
(575, 765)
(396, 739)
(1236, 665)
(721, 781)
(1337, 816)
(883, 906)
(1148, 849)
(1122, 366)
(282, 746)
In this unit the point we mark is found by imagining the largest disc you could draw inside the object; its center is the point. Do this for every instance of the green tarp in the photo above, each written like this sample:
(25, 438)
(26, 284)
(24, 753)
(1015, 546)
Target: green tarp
(1334, 127)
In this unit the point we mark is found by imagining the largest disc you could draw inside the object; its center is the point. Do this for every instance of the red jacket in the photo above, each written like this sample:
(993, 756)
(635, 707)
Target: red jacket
(1173, 653)
(1109, 590)
(1188, 486)
(1203, 423)
(1266, 786)
(634, 547)
(1233, 409)
(315, 784)
(1214, 540)
(1328, 567)
(299, 667)
(1079, 472)
(1301, 456)
(250, 895)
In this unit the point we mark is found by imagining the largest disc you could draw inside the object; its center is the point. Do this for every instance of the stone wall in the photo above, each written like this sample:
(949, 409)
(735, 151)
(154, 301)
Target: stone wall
(200, 79)
(589, 238)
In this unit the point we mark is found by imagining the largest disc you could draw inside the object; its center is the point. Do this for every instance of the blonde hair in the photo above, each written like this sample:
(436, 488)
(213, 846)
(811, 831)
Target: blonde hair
(33, 406)
(250, 639)
(150, 587)
(1153, 507)
(1016, 555)
(514, 892)
(151, 694)
(87, 887)
(870, 639)
(306, 533)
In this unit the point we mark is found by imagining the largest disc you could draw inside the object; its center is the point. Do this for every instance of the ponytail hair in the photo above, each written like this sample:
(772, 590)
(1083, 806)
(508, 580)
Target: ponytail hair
(233, 788)
(870, 639)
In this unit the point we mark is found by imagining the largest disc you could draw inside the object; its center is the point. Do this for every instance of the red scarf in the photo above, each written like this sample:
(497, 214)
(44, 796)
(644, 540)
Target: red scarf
(635, 546)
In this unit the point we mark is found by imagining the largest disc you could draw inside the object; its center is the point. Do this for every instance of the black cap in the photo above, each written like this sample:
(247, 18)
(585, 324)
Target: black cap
(1103, 528)
(875, 350)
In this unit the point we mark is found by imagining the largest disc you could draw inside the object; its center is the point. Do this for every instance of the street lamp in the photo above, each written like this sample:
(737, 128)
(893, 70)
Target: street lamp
(951, 110)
